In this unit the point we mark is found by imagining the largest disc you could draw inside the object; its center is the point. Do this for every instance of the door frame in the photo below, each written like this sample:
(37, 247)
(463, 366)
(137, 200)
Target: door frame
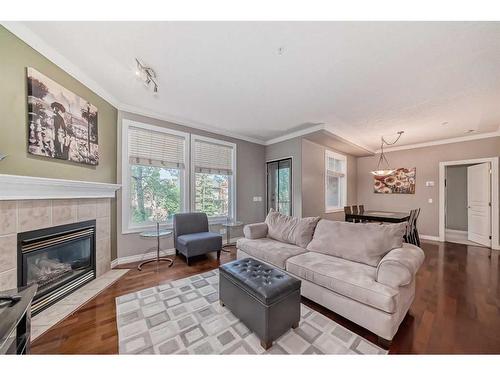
(494, 196)
(292, 206)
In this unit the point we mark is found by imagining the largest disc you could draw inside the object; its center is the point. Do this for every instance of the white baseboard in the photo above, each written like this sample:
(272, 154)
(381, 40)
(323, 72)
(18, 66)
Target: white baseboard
(140, 257)
(151, 255)
(429, 238)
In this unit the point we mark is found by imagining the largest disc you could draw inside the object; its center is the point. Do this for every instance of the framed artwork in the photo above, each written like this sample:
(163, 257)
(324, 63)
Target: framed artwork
(400, 182)
(61, 124)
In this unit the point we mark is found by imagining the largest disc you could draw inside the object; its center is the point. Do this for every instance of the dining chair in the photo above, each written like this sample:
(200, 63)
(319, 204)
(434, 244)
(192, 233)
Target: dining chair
(347, 211)
(411, 235)
(361, 208)
(355, 211)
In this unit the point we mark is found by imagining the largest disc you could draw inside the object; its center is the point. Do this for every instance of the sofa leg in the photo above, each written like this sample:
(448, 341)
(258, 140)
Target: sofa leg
(176, 252)
(295, 325)
(266, 344)
(221, 303)
(384, 343)
(218, 255)
(187, 261)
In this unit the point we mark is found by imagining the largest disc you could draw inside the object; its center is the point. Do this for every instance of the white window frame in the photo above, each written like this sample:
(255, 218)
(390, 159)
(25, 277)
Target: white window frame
(232, 179)
(328, 155)
(127, 226)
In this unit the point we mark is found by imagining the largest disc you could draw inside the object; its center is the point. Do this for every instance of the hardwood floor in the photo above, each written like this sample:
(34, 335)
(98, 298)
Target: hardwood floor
(456, 308)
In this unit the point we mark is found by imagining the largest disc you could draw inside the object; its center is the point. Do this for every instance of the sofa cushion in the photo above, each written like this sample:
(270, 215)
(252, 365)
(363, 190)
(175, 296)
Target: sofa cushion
(364, 243)
(289, 229)
(269, 250)
(350, 279)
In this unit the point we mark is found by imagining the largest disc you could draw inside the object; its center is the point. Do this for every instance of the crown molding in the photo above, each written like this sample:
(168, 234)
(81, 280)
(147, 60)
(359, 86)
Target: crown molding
(15, 187)
(295, 134)
(35, 42)
(316, 128)
(443, 141)
(192, 124)
(39, 45)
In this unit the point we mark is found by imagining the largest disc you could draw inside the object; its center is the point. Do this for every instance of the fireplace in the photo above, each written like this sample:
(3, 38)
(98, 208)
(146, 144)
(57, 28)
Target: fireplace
(59, 259)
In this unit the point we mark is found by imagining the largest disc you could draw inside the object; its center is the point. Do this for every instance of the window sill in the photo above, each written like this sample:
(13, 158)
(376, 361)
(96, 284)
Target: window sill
(333, 210)
(169, 226)
(146, 228)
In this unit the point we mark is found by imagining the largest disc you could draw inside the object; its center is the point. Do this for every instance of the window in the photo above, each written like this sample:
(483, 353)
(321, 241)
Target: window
(335, 181)
(154, 174)
(213, 177)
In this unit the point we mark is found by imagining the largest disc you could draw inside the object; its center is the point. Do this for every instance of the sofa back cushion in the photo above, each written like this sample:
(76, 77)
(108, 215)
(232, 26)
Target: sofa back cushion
(289, 229)
(363, 243)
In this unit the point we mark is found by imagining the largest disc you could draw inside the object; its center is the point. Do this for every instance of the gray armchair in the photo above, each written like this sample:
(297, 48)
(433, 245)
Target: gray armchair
(191, 235)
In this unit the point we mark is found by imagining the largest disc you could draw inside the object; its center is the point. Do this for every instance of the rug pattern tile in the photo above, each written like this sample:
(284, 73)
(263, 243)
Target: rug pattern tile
(184, 317)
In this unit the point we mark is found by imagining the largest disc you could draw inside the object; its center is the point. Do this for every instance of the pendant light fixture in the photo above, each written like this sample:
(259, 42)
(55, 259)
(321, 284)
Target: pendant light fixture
(380, 171)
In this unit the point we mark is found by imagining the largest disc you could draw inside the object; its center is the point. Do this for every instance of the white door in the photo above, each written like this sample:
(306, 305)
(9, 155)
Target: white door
(478, 203)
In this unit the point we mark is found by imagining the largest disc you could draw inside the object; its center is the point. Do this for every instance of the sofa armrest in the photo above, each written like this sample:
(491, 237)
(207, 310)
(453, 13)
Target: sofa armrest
(254, 231)
(399, 266)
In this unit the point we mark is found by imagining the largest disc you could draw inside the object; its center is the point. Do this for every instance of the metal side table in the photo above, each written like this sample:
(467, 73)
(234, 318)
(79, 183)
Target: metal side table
(228, 225)
(158, 233)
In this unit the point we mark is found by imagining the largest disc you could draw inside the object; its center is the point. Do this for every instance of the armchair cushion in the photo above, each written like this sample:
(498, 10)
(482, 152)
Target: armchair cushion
(399, 266)
(255, 231)
(199, 243)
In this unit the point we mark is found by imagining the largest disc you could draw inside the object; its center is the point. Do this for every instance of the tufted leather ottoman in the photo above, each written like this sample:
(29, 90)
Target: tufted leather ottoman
(264, 298)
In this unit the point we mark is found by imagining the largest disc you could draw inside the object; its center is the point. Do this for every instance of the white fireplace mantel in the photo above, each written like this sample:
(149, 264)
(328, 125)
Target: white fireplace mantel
(14, 187)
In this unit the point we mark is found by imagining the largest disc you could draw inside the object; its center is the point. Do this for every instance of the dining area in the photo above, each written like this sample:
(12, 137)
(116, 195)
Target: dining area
(358, 214)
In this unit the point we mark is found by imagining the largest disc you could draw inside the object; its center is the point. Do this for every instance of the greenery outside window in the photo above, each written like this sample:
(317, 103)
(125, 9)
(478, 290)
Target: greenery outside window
(154, 191)
(154, 175)
(213, 177)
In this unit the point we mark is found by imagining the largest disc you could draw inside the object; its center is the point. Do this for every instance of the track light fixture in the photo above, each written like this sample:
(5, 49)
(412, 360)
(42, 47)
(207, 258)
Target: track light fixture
(147, 74)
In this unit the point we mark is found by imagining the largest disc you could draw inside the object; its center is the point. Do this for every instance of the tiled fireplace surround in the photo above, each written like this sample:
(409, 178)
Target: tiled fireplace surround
(18, 216)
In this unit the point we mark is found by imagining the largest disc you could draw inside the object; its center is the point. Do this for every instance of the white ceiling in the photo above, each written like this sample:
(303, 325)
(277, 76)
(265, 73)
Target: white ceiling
(361, 79)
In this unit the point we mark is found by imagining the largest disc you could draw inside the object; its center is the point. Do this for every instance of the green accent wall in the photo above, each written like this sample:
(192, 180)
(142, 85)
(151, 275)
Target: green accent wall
(16, 56)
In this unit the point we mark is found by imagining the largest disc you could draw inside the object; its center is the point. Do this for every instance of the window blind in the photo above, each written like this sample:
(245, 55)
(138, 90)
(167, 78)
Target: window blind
(148, 147)
(212, 158)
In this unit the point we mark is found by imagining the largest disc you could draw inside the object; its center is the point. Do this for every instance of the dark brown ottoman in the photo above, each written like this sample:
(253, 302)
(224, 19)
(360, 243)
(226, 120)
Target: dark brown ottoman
(264, 298)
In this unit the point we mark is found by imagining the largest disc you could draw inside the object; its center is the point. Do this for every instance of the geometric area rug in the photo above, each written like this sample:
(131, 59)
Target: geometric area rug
(184, 317)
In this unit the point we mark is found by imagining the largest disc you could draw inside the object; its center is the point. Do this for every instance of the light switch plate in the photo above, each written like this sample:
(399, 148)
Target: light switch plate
(429, 200)
(257, 199)
(429, 183)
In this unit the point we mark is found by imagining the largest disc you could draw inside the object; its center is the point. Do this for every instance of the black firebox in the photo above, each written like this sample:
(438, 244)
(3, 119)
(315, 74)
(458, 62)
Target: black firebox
(59, 259)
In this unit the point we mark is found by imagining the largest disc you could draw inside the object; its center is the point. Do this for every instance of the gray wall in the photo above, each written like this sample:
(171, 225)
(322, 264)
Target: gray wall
(250, 182)
(313, 181)
(426, 160)
(456, 197)
(290, 148)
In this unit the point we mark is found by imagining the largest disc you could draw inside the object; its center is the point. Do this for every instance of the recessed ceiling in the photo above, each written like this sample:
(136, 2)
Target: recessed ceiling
(262, 80)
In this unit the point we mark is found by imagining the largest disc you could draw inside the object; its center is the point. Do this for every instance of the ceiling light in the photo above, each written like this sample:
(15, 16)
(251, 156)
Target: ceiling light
(470, 130)
(147, 74)
(444, 123)
(382, 172)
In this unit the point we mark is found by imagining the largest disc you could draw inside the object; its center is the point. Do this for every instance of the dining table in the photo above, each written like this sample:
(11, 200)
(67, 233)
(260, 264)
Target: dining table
(380, 216)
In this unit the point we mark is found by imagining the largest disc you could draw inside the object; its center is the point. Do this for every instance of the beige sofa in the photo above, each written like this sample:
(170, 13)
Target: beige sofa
(360, 271)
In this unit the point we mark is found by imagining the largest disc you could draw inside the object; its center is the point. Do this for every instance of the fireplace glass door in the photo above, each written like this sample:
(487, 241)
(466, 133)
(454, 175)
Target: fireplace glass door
(56, 265)
(58, 260)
